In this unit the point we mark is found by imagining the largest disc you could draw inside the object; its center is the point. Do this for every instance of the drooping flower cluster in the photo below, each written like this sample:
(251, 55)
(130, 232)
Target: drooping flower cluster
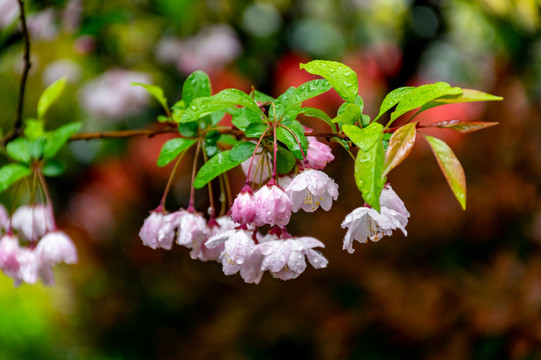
(31, 245)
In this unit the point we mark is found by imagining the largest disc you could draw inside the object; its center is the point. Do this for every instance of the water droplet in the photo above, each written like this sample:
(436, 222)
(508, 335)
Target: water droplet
(282, 258)
(316, 260)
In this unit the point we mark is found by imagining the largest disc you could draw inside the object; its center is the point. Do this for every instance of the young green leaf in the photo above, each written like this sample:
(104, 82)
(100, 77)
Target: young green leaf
(49, 96)
(399, 147)
(53, 167)
(311, 89)
(243, 150)
(320, 114)
(285, 135)
(467, 95)
(172, 148)
(421, 95)
(364, 138)
(33, 129)
(255, 130)
(369, 164)
(285, 160)
(156, 92)
(225, 100)
(11, 173)
(243, 117)
(450, 167)
(216, 165)
(393, 98)
(262, 97)
(19, 150)
(196, 85)
(349, 115)
(340, 76)
(58, 138)
(464, 126)
(358, 101)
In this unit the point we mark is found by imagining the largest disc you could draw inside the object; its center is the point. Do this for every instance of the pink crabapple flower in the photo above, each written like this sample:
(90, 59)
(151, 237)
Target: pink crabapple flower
(285, 259)
(366, 223)
(239, 254)
(244, 207)
(192, 228)
(32, 222)
(158, 230)
(56, 247)
(9, 248)
(273, 206)
(318, 153)
(310, 189)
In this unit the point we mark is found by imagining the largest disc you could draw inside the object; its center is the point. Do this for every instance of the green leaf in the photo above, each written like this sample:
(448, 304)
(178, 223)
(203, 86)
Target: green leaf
(211, 139)
(262, 97)
(364, 138)
(228, 139)
(242, 151)
(369, 165)
(188, 129)
(36, 148)
(58, 138)
(317, 113)
(155, 91)
(225, 100)
(196, 85)
(349, 115)
(172, 148)
(11, 173)
(215, 166)
(400, 146)
(450, 167)
(284, 104)
(49, 96)
(286, 137)
(311, 89)
(468, 95)
(393, 98)
(19, 150)
(243, 117)
(358, 101)
(53, 167)
(464, 126)
(340, 76)
(285, 160)
(33, 129)
(421, 95)
(255, 130)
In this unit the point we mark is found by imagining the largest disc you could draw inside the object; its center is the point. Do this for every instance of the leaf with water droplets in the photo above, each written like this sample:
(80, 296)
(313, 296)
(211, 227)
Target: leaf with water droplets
(392, 99)
(196, 85)
(421, 95)
(311, 89)
(225, 100)
(285, 160)
(364, 138)
(242, 151)
(286, 137)
(243, 117)
(467, 95)
(285, 105)
(216, 165)
(399, 147)
(172, 148)
(350, 115)
(464, 126)
(369, 165)
(317, 113)
(340, 76)
(450, 167)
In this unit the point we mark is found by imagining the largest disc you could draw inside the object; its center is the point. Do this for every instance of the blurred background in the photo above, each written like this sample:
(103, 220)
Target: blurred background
(461, 285)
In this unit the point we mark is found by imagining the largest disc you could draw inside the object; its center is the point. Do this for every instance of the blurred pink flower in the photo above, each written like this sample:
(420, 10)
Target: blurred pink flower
(56, 247)
(310, 189)
(9, 249)
(9, 12)
(32, 222)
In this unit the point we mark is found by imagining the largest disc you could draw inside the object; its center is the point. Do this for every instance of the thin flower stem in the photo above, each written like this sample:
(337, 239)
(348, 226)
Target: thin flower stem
(275, 150)
(228, 191)
(9, 229)
(223, 196)
(253, 155)
(211, 195)
(161, 207)
(47, 196)
(192, 189)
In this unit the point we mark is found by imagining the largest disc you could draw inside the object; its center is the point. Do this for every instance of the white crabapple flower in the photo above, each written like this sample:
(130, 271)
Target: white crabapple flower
(285, 259)
(366, 223)
(318, 154)
(244, 206)
(310, 189)
(273, 206)
(239, 255)
(159, 230)
(56, 247)
(32, 222)
(215, 226)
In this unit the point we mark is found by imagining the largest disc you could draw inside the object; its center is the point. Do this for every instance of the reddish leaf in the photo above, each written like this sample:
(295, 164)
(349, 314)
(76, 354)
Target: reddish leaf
(464, 126)
(400, 146)
(451, 168)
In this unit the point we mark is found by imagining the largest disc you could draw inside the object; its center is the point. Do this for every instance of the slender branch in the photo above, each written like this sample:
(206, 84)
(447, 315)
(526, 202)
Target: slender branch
(17, 126)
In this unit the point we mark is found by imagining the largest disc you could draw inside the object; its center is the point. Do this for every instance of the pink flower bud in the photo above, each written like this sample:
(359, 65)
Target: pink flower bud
(318, 153)
(273, 206)
(243, 209)
(158, 230)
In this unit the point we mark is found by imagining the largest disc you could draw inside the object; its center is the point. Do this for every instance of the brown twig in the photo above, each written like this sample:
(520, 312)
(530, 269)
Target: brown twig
(17, 127)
